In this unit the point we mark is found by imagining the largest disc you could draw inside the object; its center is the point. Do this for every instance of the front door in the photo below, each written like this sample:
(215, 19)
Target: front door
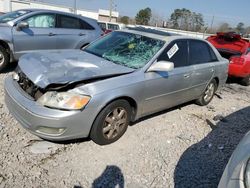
(166, 89)
(39, 36)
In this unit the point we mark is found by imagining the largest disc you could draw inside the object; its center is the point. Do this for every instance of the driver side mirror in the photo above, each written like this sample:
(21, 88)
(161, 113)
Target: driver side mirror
(161, 66)
(22, 25)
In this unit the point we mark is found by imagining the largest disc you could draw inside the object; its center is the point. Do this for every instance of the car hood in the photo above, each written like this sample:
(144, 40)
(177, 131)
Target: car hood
(66, 67)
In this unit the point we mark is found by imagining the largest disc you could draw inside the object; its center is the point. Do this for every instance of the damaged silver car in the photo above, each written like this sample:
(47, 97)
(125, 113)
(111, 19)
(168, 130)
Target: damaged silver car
(117, 79)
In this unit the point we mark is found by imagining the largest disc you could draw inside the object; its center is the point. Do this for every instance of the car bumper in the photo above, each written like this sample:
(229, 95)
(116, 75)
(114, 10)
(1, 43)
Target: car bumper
(238, 70)
(35, 117)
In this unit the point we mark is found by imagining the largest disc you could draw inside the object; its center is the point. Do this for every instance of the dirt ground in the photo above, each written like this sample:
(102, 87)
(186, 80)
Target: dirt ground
(187, 146)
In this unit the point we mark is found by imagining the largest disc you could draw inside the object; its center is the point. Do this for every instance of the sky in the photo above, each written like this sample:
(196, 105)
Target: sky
(231, 11)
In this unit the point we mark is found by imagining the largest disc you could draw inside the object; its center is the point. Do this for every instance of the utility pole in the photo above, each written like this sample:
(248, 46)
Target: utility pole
(75, 9)
(110, 9)
(212, 23)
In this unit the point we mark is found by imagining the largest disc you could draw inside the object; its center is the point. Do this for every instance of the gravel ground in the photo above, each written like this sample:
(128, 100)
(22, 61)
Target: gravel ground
(187, 146)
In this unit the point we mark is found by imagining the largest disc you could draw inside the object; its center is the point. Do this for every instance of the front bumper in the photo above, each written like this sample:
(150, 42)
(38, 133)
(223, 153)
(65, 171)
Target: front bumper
(32, 116)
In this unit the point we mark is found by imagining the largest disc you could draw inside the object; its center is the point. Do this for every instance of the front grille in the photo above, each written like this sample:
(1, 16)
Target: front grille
(28, 86)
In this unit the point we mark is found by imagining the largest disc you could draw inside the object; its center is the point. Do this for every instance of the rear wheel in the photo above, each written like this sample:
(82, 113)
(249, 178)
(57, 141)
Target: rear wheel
(111, 123)
(208, 94)
(4, 58)
(246, 81)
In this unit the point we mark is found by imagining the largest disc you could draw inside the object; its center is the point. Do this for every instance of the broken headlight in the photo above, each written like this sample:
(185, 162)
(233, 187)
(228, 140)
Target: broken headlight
(64, 100)
(247, 175)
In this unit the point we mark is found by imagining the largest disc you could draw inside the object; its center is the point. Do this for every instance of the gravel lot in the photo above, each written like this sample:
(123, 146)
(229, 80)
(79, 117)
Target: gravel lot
(187, 146)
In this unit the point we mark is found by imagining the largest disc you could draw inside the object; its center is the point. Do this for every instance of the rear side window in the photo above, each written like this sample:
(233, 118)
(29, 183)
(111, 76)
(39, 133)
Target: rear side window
(176, 52)
(68, 22)
(85, 25)
(200, 52)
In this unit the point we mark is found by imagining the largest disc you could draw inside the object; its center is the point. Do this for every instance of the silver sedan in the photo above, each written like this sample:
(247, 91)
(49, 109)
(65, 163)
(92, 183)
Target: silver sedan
(117, 79)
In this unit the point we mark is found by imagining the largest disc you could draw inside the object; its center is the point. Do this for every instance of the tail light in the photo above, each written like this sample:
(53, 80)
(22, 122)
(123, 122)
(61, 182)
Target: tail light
(237, 60)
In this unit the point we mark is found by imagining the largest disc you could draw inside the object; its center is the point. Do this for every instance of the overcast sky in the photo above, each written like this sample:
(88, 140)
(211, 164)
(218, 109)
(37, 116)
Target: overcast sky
(231, 11)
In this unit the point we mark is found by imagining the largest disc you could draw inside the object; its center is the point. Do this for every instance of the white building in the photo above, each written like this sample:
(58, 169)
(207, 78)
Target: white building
(11, 5)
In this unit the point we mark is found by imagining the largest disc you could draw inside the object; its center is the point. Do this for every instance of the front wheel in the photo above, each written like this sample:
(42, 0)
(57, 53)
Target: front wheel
(246, 81)
(4, 58)
(208, 94)
(111, 123)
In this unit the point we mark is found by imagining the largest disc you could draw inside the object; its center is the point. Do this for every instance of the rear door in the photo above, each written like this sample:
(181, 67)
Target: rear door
(203, 61)
(73, 32)
(167, 89)
(39, 35)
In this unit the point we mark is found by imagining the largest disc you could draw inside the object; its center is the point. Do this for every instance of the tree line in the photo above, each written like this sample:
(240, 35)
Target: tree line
(183, 19)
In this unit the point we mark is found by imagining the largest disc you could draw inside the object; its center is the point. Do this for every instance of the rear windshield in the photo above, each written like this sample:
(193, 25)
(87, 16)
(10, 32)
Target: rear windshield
(127, 49)
(12, 15)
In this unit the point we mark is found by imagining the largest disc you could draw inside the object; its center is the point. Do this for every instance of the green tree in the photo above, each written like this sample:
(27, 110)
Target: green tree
(240, 28)
(124, 20)
(143, 16)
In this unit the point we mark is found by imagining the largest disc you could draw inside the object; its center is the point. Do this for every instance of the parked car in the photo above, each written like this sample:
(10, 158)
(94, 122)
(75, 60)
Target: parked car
(33, 30)
(236, 49)
(108, 27)
(117, 79)
(237, 171)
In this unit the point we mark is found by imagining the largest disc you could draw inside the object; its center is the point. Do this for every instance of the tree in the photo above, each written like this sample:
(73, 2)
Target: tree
(240, 28)
(224, 27)
(124, 20)
(143, 16)
(186, 20)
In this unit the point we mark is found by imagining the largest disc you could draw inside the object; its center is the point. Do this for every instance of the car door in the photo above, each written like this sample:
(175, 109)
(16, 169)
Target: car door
(73, 32)
(203, 60)
(38, 36)
(167, 89)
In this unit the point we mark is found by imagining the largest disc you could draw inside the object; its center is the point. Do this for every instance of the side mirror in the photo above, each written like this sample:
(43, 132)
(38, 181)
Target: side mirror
(161, 66)
(22, 25)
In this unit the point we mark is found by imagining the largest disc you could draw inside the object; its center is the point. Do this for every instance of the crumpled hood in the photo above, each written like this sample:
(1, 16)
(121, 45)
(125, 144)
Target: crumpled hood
(67, 66)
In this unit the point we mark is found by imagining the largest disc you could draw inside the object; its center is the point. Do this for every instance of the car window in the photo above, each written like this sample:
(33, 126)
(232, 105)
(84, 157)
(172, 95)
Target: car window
(200, 52)
(12, 15)
(102, 26)
(85, 25)
(42, 20)
(127, 49)
(113, 26)
(68, 22)
(176, 52)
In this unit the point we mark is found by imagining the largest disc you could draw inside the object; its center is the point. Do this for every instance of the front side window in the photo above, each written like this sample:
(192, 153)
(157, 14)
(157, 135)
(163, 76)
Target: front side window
(176, 52)
(127, 49)
(12, 15)
(68, 22)
(102, 26)
(200, 52)
(42, 21)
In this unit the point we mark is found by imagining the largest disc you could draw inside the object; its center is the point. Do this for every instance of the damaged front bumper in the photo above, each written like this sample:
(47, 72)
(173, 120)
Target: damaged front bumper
(50, 124)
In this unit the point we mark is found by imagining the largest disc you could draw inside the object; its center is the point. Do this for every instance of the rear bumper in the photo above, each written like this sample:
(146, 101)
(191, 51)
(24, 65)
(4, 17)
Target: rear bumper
(32, 116)
(238, 70)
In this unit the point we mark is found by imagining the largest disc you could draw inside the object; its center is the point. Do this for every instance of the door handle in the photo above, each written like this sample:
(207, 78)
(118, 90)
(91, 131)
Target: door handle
(52, 34)
(186, 75)
(82, 34)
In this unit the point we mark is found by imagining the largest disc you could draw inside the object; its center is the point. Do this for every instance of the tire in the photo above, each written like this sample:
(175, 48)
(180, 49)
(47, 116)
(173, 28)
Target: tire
(4, 58)
(245, 81)
(111, 123)
(208, 94)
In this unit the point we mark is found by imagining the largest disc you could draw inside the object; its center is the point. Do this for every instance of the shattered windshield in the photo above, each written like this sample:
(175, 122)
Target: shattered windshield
(12, 15)
(127, 49)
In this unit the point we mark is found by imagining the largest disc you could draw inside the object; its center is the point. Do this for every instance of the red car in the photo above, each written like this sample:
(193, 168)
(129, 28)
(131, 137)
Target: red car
(236, 49)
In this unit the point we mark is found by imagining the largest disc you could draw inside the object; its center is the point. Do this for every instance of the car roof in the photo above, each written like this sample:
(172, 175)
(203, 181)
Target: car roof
(157, 34)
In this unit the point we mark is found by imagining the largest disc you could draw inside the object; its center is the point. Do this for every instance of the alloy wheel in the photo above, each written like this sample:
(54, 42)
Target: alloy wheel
(209, 92)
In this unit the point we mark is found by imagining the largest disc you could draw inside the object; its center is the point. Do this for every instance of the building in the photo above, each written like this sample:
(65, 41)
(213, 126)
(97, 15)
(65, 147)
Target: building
(101, 15)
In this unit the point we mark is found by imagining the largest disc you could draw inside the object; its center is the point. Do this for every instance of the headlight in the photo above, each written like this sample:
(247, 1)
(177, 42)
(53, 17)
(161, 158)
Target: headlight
(247, 175)
(64, 100)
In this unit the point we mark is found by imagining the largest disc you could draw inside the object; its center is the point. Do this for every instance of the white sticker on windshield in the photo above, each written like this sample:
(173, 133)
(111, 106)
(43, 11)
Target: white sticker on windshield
(172, 51)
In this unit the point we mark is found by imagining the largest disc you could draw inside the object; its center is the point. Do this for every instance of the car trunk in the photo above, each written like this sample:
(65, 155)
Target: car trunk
(229, 44)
